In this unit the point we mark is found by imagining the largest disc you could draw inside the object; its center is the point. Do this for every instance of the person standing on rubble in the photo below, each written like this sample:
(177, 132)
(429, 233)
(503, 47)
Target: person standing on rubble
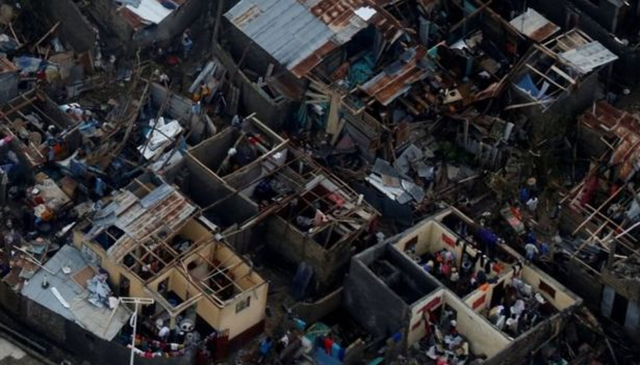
(187, 44)
(532, 251)
(532, 205)
(265, 349)
(202, 93)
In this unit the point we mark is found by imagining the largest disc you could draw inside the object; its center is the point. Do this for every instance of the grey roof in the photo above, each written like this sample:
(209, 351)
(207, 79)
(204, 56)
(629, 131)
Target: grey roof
(80, 311)
(299, 33)
(284, 28)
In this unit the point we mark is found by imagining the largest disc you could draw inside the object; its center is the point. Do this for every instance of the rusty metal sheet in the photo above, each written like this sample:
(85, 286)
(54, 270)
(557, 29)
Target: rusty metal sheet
(535, 26)
(395, 80)
(301, 33)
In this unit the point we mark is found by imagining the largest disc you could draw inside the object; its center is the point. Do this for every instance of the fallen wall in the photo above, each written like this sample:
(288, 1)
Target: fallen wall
(315, 311)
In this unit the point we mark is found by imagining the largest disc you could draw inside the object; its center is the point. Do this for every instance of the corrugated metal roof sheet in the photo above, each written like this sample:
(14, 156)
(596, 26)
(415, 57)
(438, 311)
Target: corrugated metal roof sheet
(88, 316)
(299, 34)
(164, 207)
(534, 25)
(397, 78)
(604, 117)
(149, 11)
(589, 56)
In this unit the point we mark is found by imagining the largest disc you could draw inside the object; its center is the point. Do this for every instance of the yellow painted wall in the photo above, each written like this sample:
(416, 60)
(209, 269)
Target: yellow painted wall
(417, 326)
(221, 318)
(136, 287)
(237, 323)
(562, 299)
(483, 338)
(423, 234)
(430, 239)
(477, 294)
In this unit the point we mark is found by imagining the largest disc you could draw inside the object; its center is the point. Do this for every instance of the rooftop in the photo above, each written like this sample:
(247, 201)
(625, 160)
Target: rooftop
(300, 34)
(68, 294)
(140, 13)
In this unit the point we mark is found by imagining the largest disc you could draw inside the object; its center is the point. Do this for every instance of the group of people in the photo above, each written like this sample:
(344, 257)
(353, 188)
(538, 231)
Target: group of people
(268, 344)
(443, 266)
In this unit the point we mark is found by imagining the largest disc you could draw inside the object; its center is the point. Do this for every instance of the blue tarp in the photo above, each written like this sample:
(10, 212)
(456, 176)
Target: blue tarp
(361, 71)
(526, 84)
(29, 64)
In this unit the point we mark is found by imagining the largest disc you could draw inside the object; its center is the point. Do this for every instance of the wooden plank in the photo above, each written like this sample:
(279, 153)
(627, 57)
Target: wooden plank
(333, 120)
(564, 75)
(545, 76)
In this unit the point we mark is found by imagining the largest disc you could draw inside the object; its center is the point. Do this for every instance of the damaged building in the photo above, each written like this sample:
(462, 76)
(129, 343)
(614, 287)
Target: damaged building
(303, 213)
(429, 280)
(320, 181)
(599, 212)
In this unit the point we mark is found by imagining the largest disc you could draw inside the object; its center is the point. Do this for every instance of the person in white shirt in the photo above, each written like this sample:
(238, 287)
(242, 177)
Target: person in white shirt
(164, 333)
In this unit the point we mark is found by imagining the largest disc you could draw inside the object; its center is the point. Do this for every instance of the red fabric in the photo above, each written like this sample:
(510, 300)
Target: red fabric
(516, 213)
(445, 269)
(328, 345)
(589, 190)
(448, 240)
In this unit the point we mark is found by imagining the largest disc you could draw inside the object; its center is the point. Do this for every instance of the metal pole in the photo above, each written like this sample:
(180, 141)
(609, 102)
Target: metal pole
(133, 337)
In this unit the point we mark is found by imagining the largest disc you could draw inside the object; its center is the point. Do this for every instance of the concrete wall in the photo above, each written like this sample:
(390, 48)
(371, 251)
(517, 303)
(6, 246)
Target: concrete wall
(562, 299)
(589, 141)
(605, 13)
(417, 325)
(297, 247)
(432, 237)
(376, 306)
(213, 151)
(372, 304)
(105, 14)
(483, 338)
(204, 189)
(271, 112)
(631, 316)
(628, 288)
(479, 300)
(315, 311)
(555, 120)
(71, 337)
(522, 347)
(584, 282)
(179, 107)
